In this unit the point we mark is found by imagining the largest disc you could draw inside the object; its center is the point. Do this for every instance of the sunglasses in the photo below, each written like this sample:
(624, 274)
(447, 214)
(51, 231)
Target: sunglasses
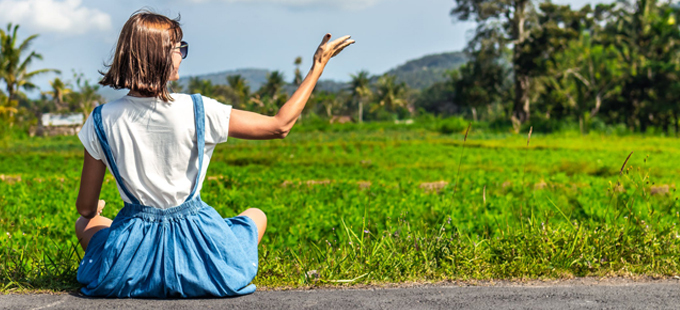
(183, 49)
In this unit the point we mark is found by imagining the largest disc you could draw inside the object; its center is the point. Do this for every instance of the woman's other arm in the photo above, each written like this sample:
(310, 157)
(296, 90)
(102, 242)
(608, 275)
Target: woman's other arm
(90, 186)
(254, 126)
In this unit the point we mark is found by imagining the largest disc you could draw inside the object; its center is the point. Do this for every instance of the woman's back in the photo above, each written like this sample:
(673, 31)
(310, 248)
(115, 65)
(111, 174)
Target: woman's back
(154, 145)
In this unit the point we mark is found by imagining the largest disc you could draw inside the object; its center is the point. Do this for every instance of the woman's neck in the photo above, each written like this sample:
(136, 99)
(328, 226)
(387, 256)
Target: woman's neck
(135, 93)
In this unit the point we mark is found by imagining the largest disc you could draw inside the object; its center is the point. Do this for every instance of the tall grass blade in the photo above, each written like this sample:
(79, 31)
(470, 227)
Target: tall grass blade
(624, 163)
(460, 161)
(348, 281)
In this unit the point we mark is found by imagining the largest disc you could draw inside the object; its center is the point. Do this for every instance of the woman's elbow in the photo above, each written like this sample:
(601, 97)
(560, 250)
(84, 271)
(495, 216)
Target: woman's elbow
(84, 211)
(88, 214)
(281, 134)
(281, 127)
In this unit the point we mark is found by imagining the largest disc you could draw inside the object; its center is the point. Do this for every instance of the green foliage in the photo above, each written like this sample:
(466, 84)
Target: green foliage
(365, 203)
(616, 61)
(389, 95)
(361, 92)
(85, 98)
(297, 80)
(241, 89)
(501, 24)
(452, 125)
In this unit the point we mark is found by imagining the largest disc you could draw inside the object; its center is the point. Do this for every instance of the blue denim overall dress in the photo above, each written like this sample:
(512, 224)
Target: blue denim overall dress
(184, 251)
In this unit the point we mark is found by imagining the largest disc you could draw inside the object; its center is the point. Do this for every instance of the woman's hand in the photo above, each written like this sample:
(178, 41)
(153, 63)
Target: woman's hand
(100, 206)
(327, 50)
(254, 126)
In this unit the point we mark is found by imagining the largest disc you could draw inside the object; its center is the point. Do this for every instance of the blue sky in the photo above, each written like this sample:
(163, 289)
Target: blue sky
(231, 34)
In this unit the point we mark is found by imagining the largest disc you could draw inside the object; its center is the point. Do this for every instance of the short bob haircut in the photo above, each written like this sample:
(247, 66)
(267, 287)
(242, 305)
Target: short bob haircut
(143, 58)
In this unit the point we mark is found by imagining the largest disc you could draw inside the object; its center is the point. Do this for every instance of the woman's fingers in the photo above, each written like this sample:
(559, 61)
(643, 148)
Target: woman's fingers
(346, 44)
(342, 47)
(325, 39)
(339, 41)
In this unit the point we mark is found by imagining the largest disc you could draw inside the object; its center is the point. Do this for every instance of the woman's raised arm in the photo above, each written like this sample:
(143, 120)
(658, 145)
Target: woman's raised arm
(254, 126)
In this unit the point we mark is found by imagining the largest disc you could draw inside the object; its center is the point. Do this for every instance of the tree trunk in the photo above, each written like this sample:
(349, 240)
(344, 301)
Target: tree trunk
(10, 91)
(520, 113)
(675, 117)
(643, 122)
(329, 110)
(598, 104)
(361, 111)
(10, 97)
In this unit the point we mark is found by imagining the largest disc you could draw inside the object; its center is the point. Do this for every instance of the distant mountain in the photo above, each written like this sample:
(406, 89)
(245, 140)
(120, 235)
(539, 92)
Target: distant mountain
(418, 73)
(425, 71)
(255, 77)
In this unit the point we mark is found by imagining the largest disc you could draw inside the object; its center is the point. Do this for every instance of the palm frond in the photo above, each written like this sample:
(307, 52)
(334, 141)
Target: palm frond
(27, 43)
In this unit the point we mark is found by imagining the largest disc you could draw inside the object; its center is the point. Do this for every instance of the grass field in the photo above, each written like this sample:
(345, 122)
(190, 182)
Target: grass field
(373, 205)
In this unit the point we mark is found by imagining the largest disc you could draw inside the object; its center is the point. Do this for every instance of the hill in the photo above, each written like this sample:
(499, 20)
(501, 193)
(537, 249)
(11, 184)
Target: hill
(423, 72)
(255, 77)
(418, 73)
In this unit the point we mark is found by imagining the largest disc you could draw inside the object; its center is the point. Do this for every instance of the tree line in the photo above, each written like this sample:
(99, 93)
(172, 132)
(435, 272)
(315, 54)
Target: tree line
(364, 98)
(529, 64)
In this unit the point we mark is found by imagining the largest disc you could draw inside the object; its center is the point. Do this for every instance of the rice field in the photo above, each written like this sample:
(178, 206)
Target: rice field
(356, 204)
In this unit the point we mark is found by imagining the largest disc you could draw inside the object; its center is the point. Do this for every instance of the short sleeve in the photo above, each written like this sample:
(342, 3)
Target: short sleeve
(89, 139)
(216, 120)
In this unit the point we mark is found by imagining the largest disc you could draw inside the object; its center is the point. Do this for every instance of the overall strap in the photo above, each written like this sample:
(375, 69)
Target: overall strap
(199, 120)
(99, 130)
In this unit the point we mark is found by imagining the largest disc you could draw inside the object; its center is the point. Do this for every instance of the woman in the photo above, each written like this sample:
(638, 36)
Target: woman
(166, 242)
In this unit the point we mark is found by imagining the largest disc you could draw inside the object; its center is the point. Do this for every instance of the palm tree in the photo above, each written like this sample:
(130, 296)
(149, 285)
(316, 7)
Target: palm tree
(298, 75)
(89, 98)
(389, 93)
(272, 88)
(14, 70)
(240, 86)
(203, 87)
(360, 88)
(59, 90)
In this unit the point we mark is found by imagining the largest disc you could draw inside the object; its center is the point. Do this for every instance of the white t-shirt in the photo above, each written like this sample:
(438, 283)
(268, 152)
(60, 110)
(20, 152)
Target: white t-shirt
(154, 145)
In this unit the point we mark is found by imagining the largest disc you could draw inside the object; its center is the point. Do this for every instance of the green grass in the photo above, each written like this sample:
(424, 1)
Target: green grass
(349, 205)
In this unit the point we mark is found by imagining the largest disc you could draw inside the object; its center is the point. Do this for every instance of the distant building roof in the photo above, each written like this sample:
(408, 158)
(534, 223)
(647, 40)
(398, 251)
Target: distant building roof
(50, 119)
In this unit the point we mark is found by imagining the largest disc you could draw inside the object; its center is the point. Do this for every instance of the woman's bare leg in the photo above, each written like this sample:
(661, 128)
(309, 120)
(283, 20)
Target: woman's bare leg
(85, 228)
(260, 220)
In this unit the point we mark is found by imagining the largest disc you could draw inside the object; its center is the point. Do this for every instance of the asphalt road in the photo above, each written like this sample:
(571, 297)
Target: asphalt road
(630, 295)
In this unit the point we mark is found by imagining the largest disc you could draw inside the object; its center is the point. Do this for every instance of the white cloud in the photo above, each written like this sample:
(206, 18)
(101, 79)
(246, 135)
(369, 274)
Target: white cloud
(342, 4)
(67, 17)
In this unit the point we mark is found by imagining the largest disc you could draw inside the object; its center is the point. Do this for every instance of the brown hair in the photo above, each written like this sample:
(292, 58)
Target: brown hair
(143, 58)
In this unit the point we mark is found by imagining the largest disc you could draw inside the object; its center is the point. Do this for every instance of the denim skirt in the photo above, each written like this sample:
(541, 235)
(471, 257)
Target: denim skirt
(182, 252)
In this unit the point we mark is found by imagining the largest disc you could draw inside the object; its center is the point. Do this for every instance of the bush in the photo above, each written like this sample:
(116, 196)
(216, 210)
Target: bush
(451, 125)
